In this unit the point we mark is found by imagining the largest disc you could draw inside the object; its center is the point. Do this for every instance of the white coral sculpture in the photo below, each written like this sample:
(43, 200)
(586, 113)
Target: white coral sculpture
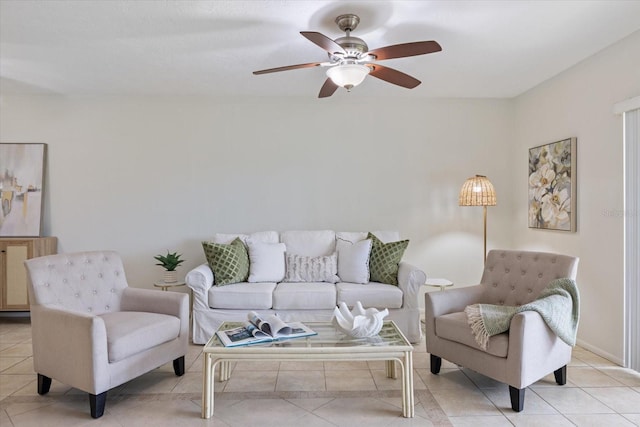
(359, 323)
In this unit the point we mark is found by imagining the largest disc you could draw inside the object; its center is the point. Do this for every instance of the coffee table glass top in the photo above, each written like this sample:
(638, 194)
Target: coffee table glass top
(328, 336)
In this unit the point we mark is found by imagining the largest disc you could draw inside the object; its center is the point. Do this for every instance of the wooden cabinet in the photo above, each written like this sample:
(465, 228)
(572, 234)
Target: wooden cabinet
(13, 275)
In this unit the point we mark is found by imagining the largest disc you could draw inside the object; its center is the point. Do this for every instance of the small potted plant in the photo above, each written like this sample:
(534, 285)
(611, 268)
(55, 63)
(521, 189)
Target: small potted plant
(169, 262)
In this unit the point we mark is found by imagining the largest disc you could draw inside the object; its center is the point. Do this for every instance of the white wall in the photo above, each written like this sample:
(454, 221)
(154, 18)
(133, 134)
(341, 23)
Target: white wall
(143, 175)
(578, 103)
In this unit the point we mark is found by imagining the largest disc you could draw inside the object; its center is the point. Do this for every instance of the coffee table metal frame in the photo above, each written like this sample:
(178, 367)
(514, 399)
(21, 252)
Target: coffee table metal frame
(321, 347)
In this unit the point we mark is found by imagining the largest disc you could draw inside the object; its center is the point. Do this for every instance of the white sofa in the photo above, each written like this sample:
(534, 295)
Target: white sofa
(303, 301)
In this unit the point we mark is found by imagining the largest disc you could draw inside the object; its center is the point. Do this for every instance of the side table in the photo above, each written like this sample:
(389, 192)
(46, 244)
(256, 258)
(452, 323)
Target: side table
(439, 283)
(165, 286)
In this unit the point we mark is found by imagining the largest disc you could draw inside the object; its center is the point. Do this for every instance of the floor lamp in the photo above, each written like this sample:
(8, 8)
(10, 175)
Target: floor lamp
(478, 191)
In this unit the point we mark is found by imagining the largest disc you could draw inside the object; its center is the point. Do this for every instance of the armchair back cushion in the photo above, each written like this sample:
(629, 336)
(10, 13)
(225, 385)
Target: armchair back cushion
(92, 283)
(517, 277)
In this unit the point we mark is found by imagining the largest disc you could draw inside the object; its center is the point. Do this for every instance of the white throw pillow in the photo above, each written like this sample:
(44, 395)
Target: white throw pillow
(302, 268)
(353, 260)
(266, 261)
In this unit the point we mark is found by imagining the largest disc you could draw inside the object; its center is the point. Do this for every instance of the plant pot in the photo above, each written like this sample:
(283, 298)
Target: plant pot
(170, 276)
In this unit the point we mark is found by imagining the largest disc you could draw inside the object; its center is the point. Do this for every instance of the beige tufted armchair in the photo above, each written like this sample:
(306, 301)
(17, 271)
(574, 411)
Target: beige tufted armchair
(93, 332)
(520, 356)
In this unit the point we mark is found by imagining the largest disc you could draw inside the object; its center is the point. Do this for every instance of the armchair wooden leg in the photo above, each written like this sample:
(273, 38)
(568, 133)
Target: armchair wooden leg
(178, 366)
(436, 363)
(44, 384)
(517, 398)
(97, 402)
(561, 375)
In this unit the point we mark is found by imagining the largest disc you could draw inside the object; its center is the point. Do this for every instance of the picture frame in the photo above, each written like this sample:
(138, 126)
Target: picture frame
(552, 186)
(22, 171)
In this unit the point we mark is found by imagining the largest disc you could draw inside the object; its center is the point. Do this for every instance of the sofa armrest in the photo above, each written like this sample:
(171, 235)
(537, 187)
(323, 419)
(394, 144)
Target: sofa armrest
(70, 347)
(200, 280)
(410, 279)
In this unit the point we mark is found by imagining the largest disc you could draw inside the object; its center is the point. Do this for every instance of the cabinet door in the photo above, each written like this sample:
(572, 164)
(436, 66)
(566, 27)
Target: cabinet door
(16, 296)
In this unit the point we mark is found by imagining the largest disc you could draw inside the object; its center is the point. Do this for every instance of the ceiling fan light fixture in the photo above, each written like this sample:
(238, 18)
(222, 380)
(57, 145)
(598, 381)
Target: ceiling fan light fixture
(348, 76)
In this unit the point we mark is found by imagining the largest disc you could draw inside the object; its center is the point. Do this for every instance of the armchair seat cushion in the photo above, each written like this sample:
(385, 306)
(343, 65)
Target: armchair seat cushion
(454, 327)
(131, 332)
(373, 294)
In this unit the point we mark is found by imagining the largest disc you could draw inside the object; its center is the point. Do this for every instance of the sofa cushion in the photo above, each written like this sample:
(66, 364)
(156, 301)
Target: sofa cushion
(259, 236)
(267, 261)
(131, 332)
(229, 263)
(244, 296)
(378, 295)
(454, 327)
(353, 260)
(301, 268)
(356, 236)
(384, 260)
(310, 243)
(304, 296)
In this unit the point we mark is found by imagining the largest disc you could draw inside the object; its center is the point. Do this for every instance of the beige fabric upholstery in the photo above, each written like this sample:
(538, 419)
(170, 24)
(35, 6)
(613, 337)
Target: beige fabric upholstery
(529, 350)
(91, 331)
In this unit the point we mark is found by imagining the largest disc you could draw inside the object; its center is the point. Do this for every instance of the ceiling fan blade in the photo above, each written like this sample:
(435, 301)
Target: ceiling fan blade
(323, 41)
(288, 67)
(327, 89)
(405, 49)
(393, 76)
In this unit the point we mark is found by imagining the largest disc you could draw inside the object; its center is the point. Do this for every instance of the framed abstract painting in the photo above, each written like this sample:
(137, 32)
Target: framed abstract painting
(552, 186)
(21, 189)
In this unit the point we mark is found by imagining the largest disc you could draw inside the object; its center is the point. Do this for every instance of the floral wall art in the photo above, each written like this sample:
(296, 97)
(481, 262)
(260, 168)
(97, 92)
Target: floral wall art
(552, 186)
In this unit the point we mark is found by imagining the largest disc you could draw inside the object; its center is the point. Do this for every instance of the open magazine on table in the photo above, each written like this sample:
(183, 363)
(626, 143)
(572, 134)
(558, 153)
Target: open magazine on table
(258, 330)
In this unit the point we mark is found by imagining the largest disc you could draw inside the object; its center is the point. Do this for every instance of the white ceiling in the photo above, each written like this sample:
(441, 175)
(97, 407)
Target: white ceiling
(113, 47)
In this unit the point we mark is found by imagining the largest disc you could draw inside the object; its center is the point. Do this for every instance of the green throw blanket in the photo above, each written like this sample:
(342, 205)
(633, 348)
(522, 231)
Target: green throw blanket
(558, 304)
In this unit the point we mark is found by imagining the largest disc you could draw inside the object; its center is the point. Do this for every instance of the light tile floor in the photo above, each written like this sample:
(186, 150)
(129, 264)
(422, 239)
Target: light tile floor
(316, 394)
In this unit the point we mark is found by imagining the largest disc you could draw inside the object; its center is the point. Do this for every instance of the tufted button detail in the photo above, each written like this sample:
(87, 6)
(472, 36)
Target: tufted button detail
(117, 273)
(513, 287)
(553, 260)
(502, 255)
(495, 285)
(106, 307)
(518, 303)
(100, 275)
(113, 291)
(50, 265)
(95, 292)
(46, 285)
(540, 275)
(506, 270)
(519, 257)
(89, 309)
(501, 302)
(77, 295)
(490, 268)
(529, 291)
(82, 277)
(523, 272)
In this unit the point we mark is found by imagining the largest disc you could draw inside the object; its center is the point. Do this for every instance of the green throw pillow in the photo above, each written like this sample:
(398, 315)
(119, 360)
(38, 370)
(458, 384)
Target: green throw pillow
(229, 263)
(384, 260)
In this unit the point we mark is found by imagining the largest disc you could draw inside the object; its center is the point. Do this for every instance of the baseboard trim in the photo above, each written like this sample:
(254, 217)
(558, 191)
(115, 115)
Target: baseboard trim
(600, 352)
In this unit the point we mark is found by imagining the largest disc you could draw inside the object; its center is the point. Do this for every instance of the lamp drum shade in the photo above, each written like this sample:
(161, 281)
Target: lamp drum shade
(477, 191)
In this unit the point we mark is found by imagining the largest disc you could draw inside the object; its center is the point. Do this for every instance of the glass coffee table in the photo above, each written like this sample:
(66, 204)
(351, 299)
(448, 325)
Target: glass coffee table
(389, 345)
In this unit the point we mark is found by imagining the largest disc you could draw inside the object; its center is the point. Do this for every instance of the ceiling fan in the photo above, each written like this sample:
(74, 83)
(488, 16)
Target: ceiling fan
(350, 59)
